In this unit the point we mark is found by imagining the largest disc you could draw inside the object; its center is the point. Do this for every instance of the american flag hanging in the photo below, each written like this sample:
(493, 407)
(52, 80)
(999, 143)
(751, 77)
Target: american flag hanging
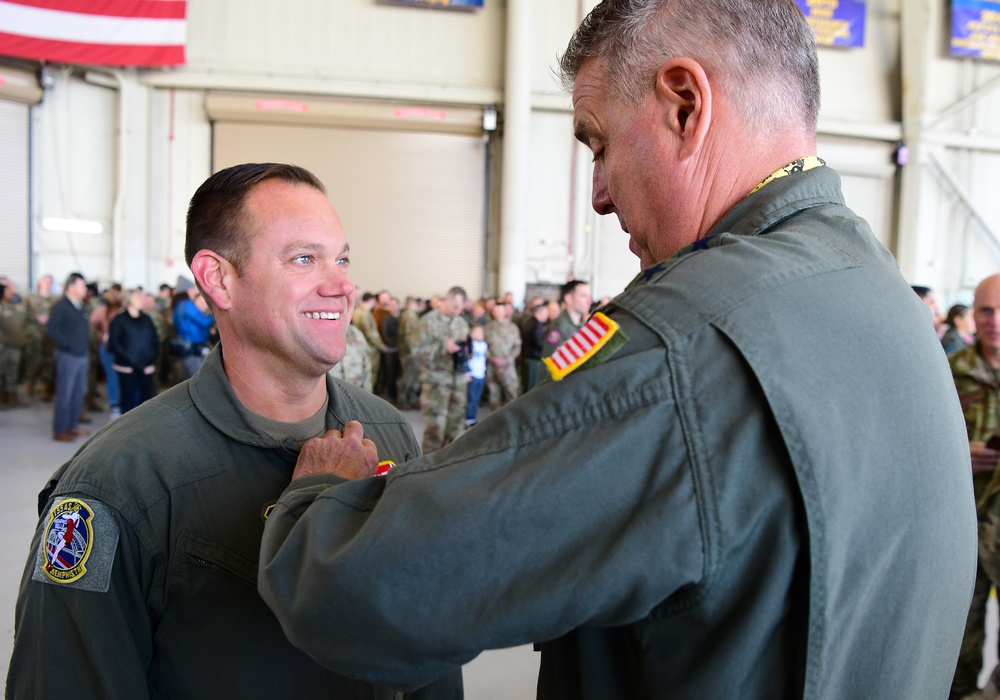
(96, 32)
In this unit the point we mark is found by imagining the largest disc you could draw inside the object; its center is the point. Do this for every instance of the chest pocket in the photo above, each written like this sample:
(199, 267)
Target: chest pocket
(198, 556)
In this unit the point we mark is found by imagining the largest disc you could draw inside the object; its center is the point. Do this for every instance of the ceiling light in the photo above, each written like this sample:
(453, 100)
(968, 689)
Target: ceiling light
(73, 225)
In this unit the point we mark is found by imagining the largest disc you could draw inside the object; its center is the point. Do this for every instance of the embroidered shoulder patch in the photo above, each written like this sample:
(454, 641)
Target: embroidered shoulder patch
(585, 344)
(78, 546)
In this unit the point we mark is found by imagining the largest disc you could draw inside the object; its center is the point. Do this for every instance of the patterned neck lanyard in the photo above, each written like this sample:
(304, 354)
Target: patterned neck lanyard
(796, 166)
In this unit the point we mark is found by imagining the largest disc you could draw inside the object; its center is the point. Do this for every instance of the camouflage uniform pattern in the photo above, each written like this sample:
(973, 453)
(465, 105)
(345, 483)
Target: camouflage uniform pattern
(409, 381)
(365, 322)
(13, 341)
(978, 391)
(356, 367)
(94, 368)
(443, 390)
(39, 361)
(558, 331)
(503, 341)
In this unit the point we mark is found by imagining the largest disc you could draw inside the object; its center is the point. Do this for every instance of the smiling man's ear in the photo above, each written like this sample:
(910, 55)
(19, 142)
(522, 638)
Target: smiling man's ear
(684, 96)
(215, 276)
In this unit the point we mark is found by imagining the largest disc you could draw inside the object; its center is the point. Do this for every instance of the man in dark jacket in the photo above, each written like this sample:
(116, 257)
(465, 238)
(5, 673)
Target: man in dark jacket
(69, 330)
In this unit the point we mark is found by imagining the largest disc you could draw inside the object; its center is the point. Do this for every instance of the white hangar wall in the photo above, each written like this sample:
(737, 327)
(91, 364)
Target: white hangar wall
(128, 148)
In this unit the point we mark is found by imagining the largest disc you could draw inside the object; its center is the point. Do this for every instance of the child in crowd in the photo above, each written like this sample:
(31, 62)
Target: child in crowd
(477, 373)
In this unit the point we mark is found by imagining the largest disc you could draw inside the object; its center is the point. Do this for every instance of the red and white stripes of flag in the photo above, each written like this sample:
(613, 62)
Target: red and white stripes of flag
(581, 346)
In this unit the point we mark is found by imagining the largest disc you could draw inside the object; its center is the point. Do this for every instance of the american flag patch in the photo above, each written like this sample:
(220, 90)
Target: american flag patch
(583, 345)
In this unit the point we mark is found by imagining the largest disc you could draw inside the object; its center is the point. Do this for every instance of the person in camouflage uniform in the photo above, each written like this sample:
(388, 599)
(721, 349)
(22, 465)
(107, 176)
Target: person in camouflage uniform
(356, 367)
(409, 381)
(441, 336)
(976, 371)
(39, 361)
(503, 345)
(365, 322)
(14, 334)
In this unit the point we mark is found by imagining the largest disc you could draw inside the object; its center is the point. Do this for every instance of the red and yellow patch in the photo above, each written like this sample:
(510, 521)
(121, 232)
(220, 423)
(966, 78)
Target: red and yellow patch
(581, 346)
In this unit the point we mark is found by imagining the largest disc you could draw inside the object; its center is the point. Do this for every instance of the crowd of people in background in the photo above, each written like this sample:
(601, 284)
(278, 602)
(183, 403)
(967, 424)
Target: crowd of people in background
(64, 341)
(450, 354)
(446, 355)
(970, 336)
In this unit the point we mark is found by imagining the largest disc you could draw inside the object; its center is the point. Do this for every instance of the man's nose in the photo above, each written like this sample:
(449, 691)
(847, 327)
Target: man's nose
(601, 197)
(338, 283)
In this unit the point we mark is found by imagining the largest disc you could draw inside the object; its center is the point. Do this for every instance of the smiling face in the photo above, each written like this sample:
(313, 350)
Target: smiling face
(637, 175)
(292, 304)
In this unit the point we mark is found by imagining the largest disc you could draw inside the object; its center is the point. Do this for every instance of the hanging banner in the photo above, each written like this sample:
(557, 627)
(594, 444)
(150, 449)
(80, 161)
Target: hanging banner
(446, 4)
(836, 22)
(975, 29)
(101, 32)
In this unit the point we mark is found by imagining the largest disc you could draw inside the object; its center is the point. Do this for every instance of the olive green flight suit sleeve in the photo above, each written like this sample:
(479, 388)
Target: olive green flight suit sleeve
(56, 652)
(532, 524)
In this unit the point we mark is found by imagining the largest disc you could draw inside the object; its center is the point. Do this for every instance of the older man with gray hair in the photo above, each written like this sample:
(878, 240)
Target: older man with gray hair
(720, 493)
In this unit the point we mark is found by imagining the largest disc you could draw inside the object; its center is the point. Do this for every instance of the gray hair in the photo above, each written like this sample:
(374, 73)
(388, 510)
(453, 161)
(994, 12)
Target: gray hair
(761, 52)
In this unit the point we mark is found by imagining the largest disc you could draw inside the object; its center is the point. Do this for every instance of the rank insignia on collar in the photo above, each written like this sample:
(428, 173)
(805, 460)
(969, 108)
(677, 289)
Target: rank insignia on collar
(581, 346)
(76, 551)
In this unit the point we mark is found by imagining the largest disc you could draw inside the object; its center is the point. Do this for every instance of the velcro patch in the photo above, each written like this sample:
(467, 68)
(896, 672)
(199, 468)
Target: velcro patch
(583, 345)
(78, 545)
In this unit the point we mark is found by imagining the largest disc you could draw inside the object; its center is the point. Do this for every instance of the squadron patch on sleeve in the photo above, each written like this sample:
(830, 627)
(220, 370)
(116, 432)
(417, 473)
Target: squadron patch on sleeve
(553, 336)
(78, 544)
(600, 332)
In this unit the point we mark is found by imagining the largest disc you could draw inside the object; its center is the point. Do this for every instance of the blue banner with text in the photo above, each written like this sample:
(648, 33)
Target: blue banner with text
(836, 22)
(975, 29)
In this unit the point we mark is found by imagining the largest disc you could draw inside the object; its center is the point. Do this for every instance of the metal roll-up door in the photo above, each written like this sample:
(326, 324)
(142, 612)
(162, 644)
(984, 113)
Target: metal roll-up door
(14, 193)
(18, 89)
(412, 201)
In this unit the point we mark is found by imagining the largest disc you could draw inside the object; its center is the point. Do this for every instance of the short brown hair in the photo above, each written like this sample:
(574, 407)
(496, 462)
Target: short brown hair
(217, 219)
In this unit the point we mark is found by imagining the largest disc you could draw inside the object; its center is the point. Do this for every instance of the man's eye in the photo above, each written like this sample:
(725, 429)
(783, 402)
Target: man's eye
(302, 259)
(597, 155)
(344, 262)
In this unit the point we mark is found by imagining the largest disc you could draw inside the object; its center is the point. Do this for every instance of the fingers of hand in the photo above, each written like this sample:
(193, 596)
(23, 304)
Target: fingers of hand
(348, 454)
(354, 431)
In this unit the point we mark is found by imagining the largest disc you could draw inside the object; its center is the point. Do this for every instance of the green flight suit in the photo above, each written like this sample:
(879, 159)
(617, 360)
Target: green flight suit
(558, 332)
(168, 607)
(740, 502)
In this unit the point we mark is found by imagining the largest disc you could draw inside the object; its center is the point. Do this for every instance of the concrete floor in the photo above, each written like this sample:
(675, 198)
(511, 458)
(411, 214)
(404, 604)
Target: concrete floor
(28, 456)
